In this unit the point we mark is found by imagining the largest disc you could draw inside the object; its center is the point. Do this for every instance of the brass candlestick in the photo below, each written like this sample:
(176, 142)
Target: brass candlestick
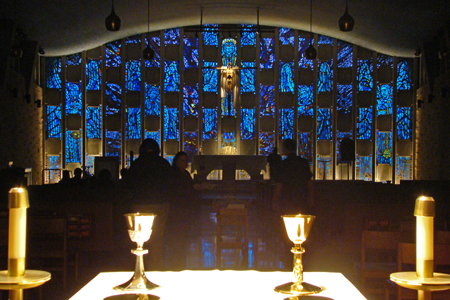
(298, 228)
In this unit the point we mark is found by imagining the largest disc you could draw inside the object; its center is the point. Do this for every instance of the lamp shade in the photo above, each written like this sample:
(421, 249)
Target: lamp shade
(148, 53)
(346, 22)
(311, 52)
(112, 22)
(298, 227)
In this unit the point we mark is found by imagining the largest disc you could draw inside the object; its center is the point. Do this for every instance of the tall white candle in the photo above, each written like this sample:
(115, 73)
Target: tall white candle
(424, 238)
(17, 232)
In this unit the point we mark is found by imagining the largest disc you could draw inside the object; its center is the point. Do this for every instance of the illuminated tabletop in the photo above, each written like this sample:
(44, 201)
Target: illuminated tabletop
(229, 285)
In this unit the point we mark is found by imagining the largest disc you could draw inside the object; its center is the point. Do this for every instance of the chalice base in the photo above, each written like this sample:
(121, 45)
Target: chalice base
(291, 288)
(138, 284)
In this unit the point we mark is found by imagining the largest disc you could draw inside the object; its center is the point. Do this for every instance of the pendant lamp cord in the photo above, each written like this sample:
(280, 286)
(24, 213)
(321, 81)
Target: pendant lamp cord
(310, 22)
(148, 22)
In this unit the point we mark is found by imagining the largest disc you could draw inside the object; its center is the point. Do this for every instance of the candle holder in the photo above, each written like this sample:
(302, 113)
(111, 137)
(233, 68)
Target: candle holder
(139, 230)
(298, 228)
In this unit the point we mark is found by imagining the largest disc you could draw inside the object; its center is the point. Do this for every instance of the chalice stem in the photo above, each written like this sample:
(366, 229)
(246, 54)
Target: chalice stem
(298, 269)
(139, 268)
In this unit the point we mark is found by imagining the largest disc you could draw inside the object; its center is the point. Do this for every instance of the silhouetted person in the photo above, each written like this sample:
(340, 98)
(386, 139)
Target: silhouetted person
(123, 173)
(274, 161)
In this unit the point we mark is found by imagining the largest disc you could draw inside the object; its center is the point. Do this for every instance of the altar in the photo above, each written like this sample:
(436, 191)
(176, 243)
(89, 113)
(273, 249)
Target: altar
(226, 285)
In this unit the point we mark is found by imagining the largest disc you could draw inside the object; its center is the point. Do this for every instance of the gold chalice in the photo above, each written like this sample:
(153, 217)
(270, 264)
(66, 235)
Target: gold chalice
(298, 228)
(139, 230)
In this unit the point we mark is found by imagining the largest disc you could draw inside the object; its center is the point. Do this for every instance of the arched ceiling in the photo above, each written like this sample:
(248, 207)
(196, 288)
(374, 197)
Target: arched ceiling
(393, 27)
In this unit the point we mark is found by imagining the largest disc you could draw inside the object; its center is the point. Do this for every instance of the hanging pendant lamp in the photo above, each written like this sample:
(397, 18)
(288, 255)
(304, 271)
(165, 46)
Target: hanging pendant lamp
(112, 22)
(311, 52)
(148, 53)
(346, 22)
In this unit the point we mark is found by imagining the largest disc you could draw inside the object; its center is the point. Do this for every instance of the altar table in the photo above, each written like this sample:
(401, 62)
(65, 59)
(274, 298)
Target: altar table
(226, 285)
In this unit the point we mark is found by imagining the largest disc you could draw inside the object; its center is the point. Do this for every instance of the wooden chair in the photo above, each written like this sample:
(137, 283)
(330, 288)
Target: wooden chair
(378, 259)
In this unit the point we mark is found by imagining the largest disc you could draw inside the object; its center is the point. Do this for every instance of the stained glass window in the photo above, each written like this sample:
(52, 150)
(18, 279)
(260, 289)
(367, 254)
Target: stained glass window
(248, 74)
(325, 40)
(210, 80)
(341, 135)
(93, 122)
(404, 130)
(210, 35)
(227, 105)
(73, 98)
(266, 142)
(133, 126)
(365, 79)
(229, 52)
(344, 55)
(385, 60)
(172, 36)
(190, 50)
(305, 145)
(267, 55)
(286, 124)
(171, 124)
(228, 139)
(305, 100)
(287, 77)
(403, 168)
(113, 143)
(364, 124)
(73, 146)
(190, 100)
(267, 100)
(384, 99)
(287, 36)
(53, 121)
(113, 96)
(171, 76)
(155, 44)
(404, 75)
(364, 167)
(53, 72)
(303, 44)
(133, 75)
(156, 135)
(53, 162)
(152, 100)
(248, 35)
(324, 122)
(344, 99)
(247, 124)
(73, 60)
(135, 39)
(384, 147)
(90, 163)
(93, 74)
(190, 143)
(209, 123)
(325, 77)
(113, 55)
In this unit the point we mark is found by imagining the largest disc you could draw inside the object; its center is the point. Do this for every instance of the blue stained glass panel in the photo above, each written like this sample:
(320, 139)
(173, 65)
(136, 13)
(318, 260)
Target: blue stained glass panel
(325, 40)
(404, 75)
(171, 124)
(364, 168)
(209, 123)
(210, 81)
(339, 136)
(133, 75)
(190, 100)
(305, 100)
(364, 78)
(303, 44)
(133, 126)
(113, 56)
(305, 145)
(404, 129)
(229, 52)
(287, 36)
(247, 124)
(53, 124)
(364, 124)
(155, 44)
(190, 143)
(90, 163)
(384, 147)
(93, 74)
(266, 142)
(210, 35)
(227, 106)
(384, 99)
(53, 72)
(403, 168)
(385, 60)
(267, 100)
(73, 98)
(73, 146)
(172, 36)
(113, 143)
(73, 60)
(344, 99)
(135, 39)
(190, 55)
(248, 74)
(53, 162)
(93, 122)
(152, 100)
(286, 125)
(228, 139)
(171, 76)
(324, 122)
(344, 55)
(156, 135)
(267, 54)
(287, 77)
(248, 37)
(113, 98)
(325, 80)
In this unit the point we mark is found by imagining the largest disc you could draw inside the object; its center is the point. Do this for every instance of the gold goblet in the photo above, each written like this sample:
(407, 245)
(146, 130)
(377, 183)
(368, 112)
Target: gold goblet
(298, 228)
(139, 230)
